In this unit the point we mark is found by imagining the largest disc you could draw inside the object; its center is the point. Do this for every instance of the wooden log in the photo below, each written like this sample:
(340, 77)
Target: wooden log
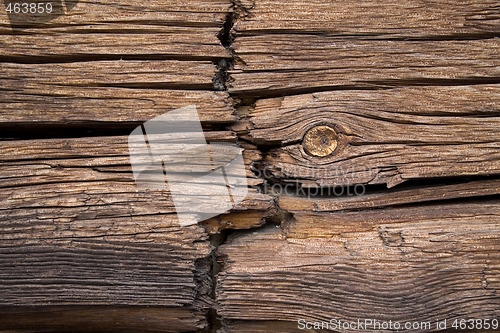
(112, 29)
(84, 248)
(384, 136)
(108, 93)
(422, 263)
(282, 64)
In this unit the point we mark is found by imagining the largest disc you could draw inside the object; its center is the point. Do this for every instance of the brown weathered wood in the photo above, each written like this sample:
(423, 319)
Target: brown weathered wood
(369, 18)
(111, 93)
(177, 29)
(277, 64)
(95, 172)
(287, 47)
(391, 197)
(77, 231)
(98, 318)
(401, 264)
(69, 258)
(83, 248)
(387, 136)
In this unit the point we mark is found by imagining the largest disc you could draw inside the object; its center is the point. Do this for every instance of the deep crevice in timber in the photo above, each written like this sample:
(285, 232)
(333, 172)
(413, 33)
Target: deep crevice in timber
(371, 36)
(214, 321)
(361, 85)
(244, 100)
(74, 130)
(76, 58)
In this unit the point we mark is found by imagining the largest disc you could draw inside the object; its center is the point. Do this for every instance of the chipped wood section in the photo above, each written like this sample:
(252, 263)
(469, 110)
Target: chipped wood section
(176, 29)
(108, 93)
(422, 263)
(391, 135)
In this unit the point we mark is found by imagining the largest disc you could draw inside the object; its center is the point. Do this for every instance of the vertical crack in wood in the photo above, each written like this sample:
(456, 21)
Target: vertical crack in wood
(214, 322)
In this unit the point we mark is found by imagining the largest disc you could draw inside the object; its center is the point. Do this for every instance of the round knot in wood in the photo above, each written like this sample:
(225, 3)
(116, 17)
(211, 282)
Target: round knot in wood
(320, 141)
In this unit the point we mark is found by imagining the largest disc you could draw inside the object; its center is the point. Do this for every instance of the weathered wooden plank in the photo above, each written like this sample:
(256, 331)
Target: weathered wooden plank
(77, 231)
(97, 318)
(176, 29)
(64, 258)
(289, 47)
(277, 64)
(114, 93)
(93, 173)
(261, 326)
(383, 136)
(369, 18)
(52, 258)
(264, 326)
(402, 264)
(391, 197)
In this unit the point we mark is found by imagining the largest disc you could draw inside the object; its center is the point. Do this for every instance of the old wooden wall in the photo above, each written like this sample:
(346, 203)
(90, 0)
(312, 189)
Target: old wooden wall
(410, 89)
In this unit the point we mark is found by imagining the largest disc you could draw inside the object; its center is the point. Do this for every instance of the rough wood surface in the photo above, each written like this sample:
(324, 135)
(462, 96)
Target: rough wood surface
(420, 263)
(92, 177)
(278, 64)
(396, 197)
(98, 318)
(387, 136)
(175, 29)
(369, 18)
(287, 47)
(111, 93)
(389, 92)
(77, 230)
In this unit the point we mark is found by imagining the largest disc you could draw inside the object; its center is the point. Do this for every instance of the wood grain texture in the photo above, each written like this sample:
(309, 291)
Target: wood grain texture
(77, 231)
(176, 29)
(420, 263)
(388, 136)
(290, 47)
(93, 172)
(264, 326)
(395, 197)
(369, 18)
(98, 318)
(413, 94)
(112, 93)
(282, 64)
